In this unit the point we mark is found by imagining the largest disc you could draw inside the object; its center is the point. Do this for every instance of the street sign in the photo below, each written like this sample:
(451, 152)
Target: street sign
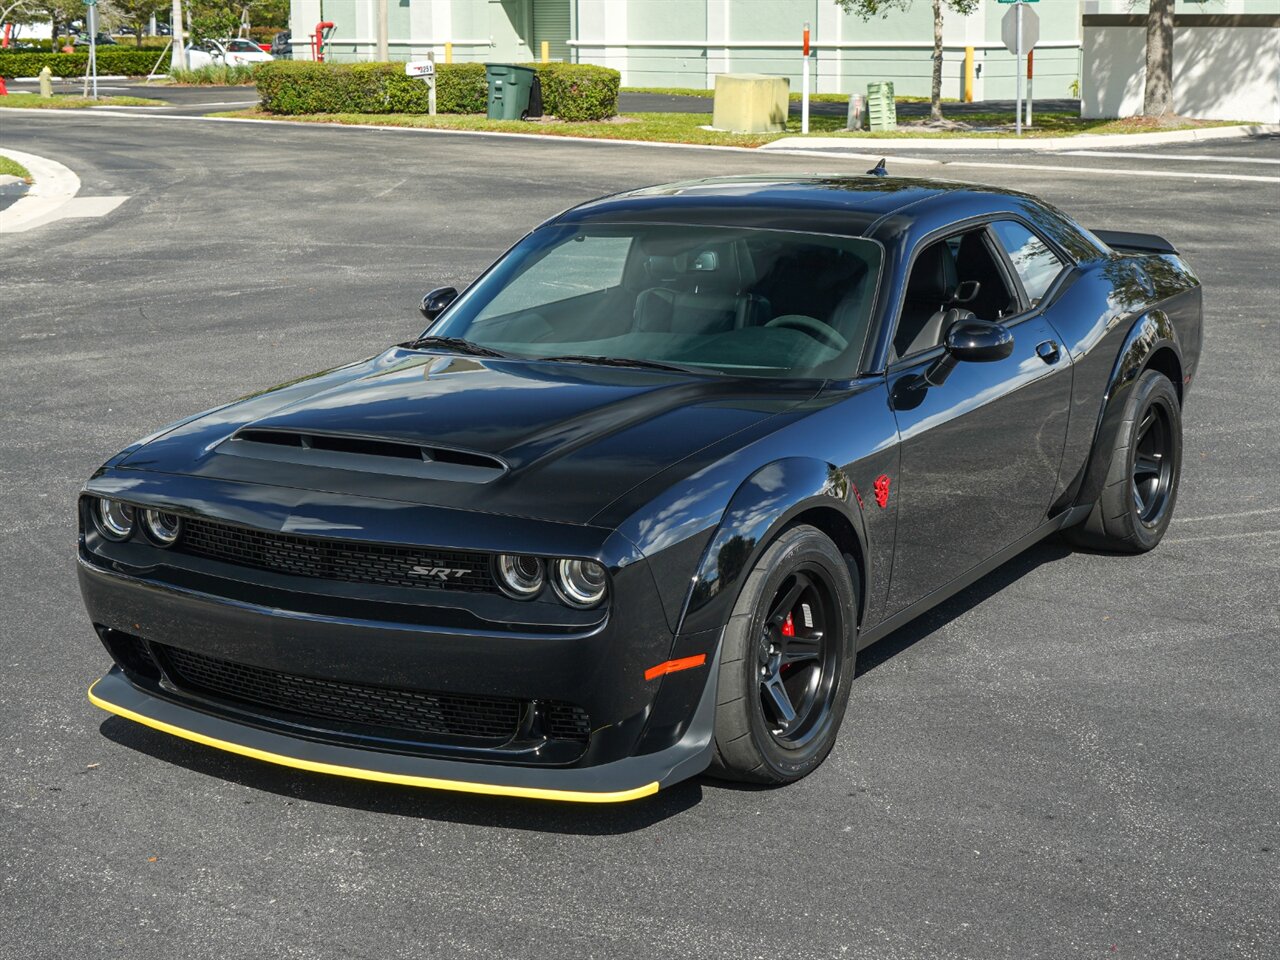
(1030, 30)
(420, 68)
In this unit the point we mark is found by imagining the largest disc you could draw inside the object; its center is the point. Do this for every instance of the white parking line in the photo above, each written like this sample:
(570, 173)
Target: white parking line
(1200, 157)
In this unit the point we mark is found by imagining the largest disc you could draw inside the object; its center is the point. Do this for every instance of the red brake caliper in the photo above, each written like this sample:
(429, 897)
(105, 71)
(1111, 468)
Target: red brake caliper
(788, 630)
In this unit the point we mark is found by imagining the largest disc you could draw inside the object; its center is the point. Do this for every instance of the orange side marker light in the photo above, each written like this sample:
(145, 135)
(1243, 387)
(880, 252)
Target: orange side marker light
(673, 666)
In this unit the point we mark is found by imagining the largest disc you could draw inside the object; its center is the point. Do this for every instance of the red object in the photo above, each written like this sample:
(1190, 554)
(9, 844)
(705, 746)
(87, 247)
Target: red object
(317, 42)
(264, 47)
(882, 490)
(858, 495)
(1031, 55)
(5, 43)
(788, 627)
(674, 666)
(806, 41)
(4, 91)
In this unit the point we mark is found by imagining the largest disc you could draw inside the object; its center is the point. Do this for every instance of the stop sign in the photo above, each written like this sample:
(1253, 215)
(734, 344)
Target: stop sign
(1030, 28)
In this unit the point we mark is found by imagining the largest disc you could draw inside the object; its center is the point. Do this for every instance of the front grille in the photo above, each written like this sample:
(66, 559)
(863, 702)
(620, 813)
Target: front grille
(337, 559)
(397, 713)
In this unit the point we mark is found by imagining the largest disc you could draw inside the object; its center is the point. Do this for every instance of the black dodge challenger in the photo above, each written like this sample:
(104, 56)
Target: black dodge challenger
(630, 506)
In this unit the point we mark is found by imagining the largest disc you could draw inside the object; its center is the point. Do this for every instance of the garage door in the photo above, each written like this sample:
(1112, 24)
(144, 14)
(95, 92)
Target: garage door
(551, 23)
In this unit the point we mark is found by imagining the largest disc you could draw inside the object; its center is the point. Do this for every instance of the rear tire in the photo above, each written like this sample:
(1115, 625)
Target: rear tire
(1141, 487)
(787, 662)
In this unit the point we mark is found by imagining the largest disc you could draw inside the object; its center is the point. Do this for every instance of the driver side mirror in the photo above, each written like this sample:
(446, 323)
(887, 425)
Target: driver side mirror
(434, 303)
(971, 341)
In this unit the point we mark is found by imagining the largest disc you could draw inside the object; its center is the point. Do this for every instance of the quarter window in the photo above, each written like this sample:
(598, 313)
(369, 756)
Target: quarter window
(1036, 264)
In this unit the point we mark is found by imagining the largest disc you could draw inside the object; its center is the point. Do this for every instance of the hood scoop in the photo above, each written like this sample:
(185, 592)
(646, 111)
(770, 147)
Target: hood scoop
(365, 454)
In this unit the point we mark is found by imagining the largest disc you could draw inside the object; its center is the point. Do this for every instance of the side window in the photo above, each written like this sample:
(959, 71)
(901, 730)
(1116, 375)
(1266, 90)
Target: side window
(1036, 264)
(596, 264)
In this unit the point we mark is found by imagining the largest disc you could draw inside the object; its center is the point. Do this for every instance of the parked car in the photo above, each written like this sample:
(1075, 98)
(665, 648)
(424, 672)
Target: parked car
(631, 504)
(103, 40)
(210, 53)
(282, 46)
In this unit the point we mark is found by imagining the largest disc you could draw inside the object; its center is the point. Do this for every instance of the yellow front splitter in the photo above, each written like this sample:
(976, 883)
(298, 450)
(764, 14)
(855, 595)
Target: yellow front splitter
(118, 683)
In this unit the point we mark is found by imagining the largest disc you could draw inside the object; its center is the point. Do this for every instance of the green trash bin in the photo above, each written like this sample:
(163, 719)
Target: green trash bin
(882, 109)
(509, 90)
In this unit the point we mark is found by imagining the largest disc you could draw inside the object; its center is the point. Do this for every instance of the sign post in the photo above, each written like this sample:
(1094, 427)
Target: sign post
(1020, 32)
(426, 69)
(804, 95)
(91, 22)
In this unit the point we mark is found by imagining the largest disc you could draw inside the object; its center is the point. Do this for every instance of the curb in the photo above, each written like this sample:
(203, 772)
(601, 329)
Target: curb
(1081, 141)
(54, 186)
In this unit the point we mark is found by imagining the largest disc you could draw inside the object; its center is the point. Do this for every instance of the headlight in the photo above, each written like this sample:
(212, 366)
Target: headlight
(114, 519)
(520, 577)
(161, 527)
(580, 583)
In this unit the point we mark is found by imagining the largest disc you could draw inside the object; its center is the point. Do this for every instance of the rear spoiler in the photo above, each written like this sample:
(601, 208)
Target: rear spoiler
(1122, 241)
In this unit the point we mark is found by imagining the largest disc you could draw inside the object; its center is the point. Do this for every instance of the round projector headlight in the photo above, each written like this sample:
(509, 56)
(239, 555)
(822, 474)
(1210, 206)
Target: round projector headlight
(520, 577)
(162, 527)
(580, 583)
(115, 519)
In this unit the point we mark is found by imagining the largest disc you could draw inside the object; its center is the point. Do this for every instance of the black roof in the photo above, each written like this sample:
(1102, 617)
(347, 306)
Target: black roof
(828, 204)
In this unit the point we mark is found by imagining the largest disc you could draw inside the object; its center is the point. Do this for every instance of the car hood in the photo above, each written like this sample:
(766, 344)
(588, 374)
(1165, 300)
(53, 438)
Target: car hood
(566, 439)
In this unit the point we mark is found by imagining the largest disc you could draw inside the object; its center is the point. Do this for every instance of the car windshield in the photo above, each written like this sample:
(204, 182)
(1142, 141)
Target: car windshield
(243, 46)
(762, 303)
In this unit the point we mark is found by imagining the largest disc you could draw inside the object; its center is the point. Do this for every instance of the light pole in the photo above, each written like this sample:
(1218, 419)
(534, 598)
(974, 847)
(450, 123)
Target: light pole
(384, 53)
(179, 61)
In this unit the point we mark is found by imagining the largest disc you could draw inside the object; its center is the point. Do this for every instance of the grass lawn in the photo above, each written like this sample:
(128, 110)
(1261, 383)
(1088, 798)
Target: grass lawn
(795, 97)
(687, 127)
(62, 101)
(13, 168)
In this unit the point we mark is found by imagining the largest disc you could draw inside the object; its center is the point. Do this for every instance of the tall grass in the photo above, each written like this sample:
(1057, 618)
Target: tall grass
(216, 75)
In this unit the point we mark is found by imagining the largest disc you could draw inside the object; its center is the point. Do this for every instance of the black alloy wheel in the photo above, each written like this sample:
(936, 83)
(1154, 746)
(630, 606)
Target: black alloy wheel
(786, 661)
(1144, 462)
(799, 660)
(1152, 473)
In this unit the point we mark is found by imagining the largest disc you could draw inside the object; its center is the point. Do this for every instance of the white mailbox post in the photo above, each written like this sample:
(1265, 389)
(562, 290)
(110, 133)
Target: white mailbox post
(426, 69)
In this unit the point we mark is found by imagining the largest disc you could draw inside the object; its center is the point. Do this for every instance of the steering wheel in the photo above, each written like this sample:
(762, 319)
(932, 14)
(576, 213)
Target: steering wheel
(813, 327)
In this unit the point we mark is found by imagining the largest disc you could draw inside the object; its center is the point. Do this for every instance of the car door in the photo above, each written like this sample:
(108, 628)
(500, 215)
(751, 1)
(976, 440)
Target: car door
(980, 451)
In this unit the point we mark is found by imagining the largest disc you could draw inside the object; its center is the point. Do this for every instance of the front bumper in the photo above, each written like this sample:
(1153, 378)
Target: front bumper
(621, 780)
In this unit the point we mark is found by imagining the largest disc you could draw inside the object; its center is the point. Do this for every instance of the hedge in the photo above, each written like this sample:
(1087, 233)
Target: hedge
(130, 63)
(578, 91)
(569, 91)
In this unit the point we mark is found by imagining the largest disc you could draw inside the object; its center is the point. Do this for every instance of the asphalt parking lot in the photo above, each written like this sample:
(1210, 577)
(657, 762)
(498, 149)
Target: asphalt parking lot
(1076, 757)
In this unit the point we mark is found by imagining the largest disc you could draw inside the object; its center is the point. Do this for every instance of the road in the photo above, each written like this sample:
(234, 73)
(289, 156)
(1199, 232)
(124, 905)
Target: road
(1076, 757)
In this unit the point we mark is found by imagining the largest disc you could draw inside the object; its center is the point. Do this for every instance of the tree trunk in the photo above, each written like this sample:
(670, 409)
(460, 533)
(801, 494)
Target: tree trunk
(935, 93)
(1157, 100)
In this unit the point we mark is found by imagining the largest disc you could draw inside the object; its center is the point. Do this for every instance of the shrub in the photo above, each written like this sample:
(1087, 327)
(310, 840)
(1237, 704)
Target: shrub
(303, 86)
(130, 63)
(570, 91)
(578, 91)
(220, 75)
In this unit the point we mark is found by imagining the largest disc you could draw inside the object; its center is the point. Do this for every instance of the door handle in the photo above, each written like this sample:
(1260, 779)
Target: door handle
(1047, 351)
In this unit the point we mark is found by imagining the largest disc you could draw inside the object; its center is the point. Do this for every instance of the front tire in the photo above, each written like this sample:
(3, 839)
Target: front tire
(787, 662)
(1137, 500)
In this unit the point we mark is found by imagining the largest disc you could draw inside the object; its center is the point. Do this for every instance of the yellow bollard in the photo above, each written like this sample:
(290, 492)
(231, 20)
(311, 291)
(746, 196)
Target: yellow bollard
(546, 51)
(46, 82)
(448, 53)
(968, 74)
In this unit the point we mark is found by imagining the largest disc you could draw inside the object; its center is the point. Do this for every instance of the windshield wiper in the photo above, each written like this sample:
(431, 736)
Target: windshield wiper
(459, 345)
(626, 362)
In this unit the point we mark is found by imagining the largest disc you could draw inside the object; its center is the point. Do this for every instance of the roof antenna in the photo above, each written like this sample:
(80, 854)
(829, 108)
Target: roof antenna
(878, 170)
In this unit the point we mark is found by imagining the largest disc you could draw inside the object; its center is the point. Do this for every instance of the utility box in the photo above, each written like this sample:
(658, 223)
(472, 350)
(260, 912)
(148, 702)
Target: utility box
(882, 109)
(750, 103)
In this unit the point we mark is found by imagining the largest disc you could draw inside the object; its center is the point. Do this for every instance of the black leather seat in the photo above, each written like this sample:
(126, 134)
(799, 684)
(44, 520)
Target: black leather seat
(711, 301)
(931, 290)
(974, 263)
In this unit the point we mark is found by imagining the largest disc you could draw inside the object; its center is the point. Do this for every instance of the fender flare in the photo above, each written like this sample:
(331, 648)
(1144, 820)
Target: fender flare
(762, 506)
(1150, 332)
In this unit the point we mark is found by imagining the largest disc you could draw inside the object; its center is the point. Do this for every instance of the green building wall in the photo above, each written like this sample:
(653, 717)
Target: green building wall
(685, 43)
